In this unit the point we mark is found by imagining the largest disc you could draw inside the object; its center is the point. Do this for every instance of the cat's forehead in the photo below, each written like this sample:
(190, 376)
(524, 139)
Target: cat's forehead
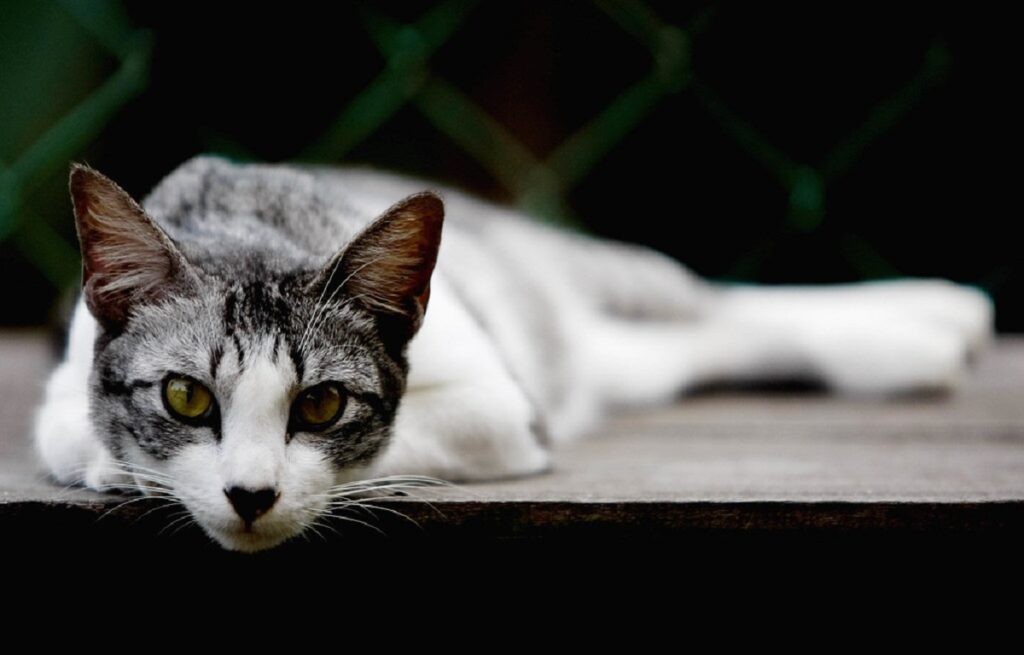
(261, 302)
(287, 361)
(239, 320)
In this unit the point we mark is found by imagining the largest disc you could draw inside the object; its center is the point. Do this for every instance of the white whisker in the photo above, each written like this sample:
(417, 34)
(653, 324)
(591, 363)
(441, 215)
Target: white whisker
(333, 515)
(187, 516)
(318, 305)
(320, 311)
(385, 509)
(120, 505)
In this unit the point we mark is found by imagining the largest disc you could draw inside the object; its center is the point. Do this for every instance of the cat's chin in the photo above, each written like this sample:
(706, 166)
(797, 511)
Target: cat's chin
(246, 542)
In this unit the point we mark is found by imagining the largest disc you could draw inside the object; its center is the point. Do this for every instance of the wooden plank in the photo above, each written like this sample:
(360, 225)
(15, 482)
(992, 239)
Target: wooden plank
(716, 461)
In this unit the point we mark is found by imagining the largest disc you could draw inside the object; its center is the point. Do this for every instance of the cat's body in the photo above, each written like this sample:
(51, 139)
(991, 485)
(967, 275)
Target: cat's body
(531, 335)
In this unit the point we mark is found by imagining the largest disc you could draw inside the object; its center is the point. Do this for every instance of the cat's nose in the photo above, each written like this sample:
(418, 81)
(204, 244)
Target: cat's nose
(250, 504)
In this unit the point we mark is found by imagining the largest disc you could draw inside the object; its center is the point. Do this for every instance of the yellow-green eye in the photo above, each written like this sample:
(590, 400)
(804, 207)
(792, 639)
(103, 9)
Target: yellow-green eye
(319, 406)
(187, 398)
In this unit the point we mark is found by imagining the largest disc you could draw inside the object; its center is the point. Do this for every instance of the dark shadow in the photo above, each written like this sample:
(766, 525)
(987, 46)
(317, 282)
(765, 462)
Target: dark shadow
(781, 387)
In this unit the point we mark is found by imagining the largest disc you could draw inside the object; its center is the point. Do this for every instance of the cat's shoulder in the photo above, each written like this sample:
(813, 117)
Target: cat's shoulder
(213, 184)
(208, 184)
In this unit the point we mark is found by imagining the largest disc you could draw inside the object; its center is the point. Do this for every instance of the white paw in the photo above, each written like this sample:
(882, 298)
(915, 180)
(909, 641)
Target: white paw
(966, 311)
(893, 357)
(67, 448)
(104, 476)
(895, 336)
(64, 442)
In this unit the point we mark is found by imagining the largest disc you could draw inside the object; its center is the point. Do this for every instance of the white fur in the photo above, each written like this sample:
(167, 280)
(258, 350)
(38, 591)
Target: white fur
(301, 476)
(463, 417)
(252, 450)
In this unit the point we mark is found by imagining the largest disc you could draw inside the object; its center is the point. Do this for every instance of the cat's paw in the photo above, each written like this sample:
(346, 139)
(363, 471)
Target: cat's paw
(896, 359)
(966, 311)
(64, 443)
(69, 451)
(897, 336)
(103, 475)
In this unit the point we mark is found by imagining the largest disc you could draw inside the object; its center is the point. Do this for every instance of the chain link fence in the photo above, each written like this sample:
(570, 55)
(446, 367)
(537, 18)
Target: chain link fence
(45, 126)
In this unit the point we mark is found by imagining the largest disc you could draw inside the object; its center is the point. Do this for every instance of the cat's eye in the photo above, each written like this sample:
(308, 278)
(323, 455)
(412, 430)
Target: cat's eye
(318, 407)
(187, 399)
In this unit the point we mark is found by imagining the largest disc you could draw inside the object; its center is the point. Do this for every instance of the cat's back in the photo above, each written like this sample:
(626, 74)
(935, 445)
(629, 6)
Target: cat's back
(226, 214)
(219, 210)
(290, 216)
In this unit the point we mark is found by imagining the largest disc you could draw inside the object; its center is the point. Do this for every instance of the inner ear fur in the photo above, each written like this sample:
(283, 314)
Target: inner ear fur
(387, 267)
(126, 257)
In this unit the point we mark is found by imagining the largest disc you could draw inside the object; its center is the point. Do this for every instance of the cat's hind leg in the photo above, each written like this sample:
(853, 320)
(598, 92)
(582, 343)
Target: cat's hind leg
(859, 338)
(887, 336)
(966, 311)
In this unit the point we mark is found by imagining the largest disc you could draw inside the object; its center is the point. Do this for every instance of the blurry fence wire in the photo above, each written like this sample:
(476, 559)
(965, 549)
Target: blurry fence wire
(34, 236)
(540, 185)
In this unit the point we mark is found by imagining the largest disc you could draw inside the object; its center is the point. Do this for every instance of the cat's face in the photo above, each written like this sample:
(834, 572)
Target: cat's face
(249, 394)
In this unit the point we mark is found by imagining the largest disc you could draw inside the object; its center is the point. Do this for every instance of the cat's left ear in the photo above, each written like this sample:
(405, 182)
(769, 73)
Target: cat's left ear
(388, 266)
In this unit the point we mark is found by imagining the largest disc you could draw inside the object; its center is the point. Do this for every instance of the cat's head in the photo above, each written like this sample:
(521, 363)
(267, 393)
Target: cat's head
(248, 387)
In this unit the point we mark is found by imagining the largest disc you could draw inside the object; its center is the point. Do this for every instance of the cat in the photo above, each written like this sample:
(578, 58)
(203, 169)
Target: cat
(254, 337)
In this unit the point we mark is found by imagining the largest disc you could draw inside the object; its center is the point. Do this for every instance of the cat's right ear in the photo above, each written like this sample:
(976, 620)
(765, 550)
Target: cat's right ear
(126, 257)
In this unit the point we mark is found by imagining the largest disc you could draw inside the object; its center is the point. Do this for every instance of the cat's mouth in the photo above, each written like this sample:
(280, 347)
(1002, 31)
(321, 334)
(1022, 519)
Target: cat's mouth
(248, 538)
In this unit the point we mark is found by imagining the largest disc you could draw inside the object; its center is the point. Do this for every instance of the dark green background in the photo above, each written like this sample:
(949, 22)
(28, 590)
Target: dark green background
(782, 144)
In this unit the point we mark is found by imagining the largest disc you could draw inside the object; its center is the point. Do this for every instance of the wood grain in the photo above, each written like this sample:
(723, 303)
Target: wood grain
(719, 461)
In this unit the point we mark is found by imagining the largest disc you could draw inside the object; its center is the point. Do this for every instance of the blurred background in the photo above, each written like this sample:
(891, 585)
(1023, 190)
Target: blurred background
(775, 144)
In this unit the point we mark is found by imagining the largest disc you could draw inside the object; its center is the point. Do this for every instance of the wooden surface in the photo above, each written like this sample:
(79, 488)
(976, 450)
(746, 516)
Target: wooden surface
(717, 461)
